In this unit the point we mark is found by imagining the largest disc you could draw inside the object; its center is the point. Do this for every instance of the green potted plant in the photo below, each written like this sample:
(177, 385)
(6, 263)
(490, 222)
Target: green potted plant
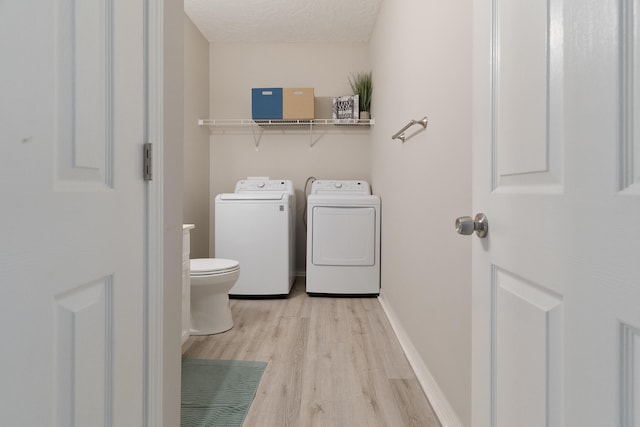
(362, 85)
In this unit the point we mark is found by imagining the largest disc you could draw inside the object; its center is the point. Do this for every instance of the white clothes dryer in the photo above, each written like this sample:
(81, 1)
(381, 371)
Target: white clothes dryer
(343, 239)
(256, 226)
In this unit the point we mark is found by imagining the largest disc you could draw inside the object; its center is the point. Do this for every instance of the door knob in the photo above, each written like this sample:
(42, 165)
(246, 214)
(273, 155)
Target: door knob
(467, 225)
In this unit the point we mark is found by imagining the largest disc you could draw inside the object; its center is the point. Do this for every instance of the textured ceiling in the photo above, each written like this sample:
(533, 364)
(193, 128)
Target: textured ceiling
(284, 21)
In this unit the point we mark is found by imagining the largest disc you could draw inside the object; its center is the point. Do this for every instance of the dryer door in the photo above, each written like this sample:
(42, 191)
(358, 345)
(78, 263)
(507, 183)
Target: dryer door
(343, 235)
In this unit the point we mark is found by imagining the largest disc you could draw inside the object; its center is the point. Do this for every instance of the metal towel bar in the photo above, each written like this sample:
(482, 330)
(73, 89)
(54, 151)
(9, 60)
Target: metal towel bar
(400, 134)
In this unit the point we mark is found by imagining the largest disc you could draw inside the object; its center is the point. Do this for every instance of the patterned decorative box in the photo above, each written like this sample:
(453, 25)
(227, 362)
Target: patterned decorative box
(346, 108)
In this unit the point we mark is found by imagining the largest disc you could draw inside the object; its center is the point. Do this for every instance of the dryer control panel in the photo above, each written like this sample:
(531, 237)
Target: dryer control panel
(256, 185)
(340, 187)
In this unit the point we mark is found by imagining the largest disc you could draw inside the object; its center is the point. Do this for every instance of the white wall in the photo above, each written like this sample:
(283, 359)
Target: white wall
(235, 69)
(421, 61)
(196, 138)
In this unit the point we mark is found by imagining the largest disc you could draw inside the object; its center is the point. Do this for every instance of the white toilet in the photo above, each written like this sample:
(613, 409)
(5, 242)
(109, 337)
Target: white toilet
(211, 280)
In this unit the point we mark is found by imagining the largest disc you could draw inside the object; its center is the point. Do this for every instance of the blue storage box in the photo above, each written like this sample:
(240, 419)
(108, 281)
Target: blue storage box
(266, 103)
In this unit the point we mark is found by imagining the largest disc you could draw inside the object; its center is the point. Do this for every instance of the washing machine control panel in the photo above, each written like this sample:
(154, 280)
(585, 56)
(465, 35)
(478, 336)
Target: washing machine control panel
(252, 185)
(340, 187)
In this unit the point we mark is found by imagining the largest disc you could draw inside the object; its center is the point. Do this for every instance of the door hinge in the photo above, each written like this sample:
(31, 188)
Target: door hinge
(147, 166)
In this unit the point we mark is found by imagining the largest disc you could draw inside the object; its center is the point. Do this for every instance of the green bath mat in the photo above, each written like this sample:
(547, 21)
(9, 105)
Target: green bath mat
(218, 393)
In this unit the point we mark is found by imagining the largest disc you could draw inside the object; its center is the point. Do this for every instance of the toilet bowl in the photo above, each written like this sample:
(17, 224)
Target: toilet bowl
(211, 279)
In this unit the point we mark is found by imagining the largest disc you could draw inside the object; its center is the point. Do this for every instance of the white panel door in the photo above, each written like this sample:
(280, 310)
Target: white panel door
(72, 218)
(556, 283)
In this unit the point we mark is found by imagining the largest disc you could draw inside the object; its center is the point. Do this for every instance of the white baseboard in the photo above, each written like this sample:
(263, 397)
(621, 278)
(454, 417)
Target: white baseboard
(439, 402)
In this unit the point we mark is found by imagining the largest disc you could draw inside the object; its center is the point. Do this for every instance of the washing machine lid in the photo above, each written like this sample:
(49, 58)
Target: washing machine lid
(208, 266)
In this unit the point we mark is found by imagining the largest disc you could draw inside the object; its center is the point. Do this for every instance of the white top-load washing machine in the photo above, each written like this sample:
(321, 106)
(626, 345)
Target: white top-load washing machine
(343, 239)
(255, 225)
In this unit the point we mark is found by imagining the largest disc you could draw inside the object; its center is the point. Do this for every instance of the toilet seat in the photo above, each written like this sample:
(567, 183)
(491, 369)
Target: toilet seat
(213, 266)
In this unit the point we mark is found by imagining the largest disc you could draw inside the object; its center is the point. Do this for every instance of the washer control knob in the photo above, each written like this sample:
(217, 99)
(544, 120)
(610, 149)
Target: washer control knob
(261, 184)
(338, 185)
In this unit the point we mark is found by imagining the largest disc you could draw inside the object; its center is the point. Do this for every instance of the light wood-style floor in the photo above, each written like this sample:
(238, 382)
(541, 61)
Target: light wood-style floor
(332, 362)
